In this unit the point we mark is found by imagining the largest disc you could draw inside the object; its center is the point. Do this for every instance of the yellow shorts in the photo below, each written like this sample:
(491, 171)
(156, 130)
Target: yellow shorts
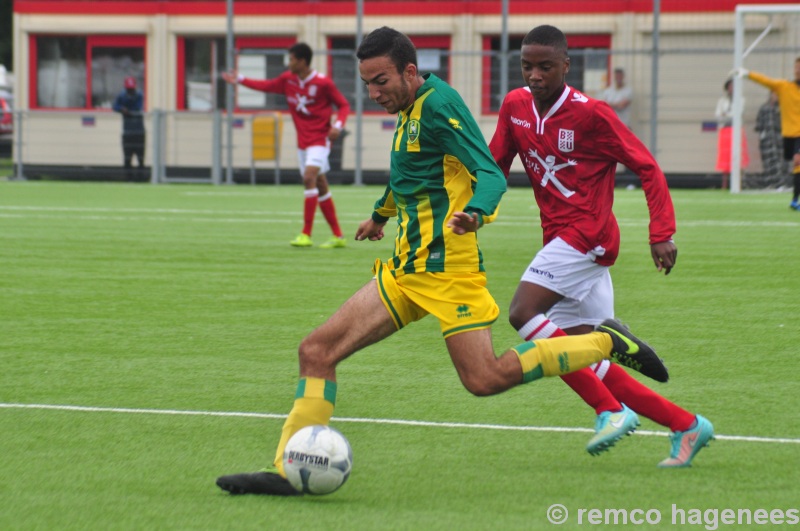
(460, 301)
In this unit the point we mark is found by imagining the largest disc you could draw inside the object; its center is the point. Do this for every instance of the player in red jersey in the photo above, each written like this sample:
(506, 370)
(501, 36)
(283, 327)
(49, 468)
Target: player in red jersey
(311, 97)
(570, 146)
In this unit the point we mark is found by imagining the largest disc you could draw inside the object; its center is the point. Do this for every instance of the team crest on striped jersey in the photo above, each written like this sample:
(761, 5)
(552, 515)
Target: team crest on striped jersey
(566, 140)
(413, 131)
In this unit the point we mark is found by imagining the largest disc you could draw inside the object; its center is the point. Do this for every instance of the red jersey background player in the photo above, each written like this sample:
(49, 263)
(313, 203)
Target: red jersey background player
(311, 97)
(570, 146)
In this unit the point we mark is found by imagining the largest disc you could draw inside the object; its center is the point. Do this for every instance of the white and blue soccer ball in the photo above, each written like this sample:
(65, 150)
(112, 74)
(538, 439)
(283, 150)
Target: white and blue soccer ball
(317, 460)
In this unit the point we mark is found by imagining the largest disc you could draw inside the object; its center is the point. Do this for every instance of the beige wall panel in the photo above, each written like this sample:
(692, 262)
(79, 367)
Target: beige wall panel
(21, 55)
(289, 144)
(188, 139)
(377, 142)
(85, 24)
(61, 138)
(160, 67)
(260, 26)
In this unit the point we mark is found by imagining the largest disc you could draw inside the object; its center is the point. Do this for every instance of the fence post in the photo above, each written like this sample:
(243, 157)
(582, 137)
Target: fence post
(16, 145)
(155, 166)
(216, 148)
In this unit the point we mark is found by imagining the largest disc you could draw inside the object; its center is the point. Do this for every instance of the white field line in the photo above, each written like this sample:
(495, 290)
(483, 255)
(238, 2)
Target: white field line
(154, 218)
(398, 422)
(268, 216)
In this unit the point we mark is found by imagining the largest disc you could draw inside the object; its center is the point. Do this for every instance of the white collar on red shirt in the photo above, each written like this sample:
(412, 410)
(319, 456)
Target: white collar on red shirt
(556, 106)
(308, 78)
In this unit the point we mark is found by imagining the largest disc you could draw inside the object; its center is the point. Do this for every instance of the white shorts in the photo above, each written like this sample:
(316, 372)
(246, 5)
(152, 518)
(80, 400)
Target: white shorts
(585, 285)
(315, 156)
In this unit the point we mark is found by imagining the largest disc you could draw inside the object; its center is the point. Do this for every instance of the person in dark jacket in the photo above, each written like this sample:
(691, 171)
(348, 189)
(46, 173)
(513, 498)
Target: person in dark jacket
(130, 103)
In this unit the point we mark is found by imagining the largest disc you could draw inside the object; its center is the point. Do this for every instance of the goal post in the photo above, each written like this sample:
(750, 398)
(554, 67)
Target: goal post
(778, 37)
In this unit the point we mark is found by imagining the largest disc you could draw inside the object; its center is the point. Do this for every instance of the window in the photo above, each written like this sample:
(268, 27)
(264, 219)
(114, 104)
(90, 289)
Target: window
(263, 58)
(60, 72)
(201, 60)
(84, 72)
(433, 55)
(342, 67)
(589, 60)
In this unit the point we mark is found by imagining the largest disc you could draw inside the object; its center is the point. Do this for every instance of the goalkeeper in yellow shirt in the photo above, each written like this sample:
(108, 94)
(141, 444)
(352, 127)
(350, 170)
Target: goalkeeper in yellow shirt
(789, 102)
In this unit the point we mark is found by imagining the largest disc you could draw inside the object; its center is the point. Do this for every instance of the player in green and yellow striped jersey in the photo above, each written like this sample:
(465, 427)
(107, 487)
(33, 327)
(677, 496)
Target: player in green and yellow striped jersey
(439, 165)
(444, 185)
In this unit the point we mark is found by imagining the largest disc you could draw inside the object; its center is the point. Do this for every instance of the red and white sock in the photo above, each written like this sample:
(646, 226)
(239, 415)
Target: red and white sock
(309, 209)
(584, 382)
(329, 211)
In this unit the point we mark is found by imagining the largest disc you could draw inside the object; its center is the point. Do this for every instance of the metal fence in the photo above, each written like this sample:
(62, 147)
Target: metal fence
(179, 147)
(194, 146)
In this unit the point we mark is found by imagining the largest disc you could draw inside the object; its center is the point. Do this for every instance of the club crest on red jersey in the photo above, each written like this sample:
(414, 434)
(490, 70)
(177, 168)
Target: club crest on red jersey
(312, 90)
(566, 140)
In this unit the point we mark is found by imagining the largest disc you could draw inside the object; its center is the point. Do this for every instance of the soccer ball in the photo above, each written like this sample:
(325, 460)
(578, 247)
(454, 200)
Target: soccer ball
(317, 460)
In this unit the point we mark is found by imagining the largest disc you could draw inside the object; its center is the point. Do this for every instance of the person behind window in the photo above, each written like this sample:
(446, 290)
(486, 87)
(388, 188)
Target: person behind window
(130, 103)
(724, 115)
(311, 97)
(619, 97)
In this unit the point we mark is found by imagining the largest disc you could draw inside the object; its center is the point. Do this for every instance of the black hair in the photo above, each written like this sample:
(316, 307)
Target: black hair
(388, 42)
(728, 83)
(547, 36)
(303, 51)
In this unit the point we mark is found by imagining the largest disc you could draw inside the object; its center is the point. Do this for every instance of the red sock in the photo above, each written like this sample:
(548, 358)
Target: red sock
(329, 211)
(584, 382)
(645, 401)
(309, 209)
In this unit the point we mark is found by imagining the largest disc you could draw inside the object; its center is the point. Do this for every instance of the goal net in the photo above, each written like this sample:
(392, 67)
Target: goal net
(766, 40)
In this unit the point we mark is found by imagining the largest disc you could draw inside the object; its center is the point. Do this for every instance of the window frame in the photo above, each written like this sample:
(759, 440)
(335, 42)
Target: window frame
(92, 41)
(281, 42)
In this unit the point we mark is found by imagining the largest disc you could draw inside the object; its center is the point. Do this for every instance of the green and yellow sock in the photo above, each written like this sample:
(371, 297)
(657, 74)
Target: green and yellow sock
(313, 404)
(561, 355)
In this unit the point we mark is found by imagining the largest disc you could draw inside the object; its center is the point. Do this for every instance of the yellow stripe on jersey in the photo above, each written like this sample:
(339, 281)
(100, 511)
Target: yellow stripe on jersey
(388, 209)
(425, 220)
(401, 245)
(414, 117)
(399, 133)
(458, 183)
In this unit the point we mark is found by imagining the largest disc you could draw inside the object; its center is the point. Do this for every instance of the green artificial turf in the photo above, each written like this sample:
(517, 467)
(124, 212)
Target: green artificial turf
(140, 325)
